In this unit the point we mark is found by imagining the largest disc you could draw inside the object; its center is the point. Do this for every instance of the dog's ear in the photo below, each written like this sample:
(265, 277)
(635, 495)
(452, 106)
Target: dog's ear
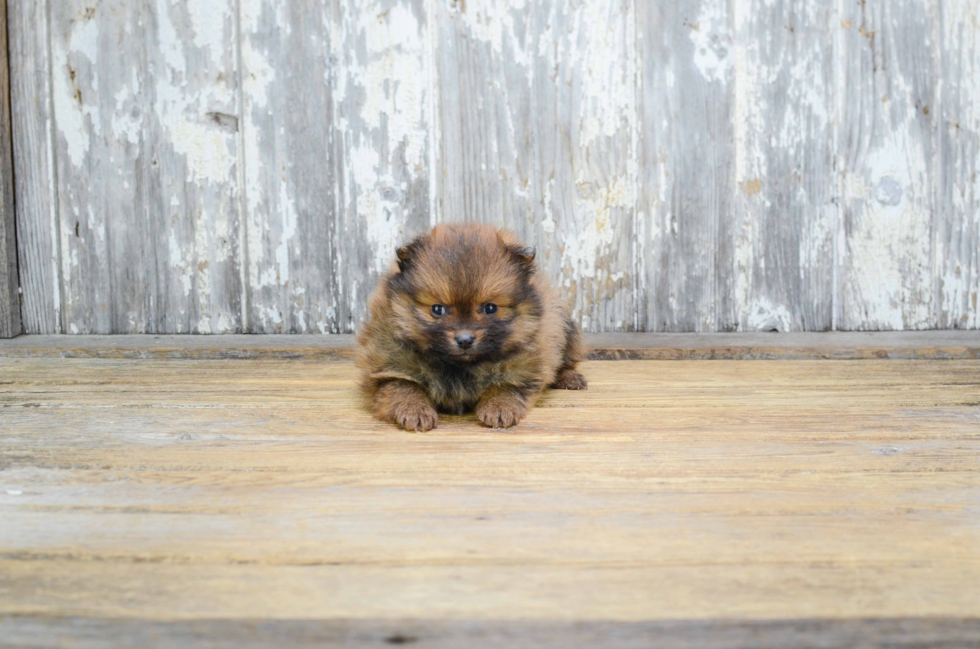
(407, 254)
(524, 256)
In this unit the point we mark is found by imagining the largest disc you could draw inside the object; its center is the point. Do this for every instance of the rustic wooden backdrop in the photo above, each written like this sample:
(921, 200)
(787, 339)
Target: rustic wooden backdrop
(217, 166)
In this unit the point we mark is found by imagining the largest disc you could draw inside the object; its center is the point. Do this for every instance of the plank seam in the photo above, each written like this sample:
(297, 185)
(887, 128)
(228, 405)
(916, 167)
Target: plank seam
(838, 47)
(244, 296)
(940, 215)
(16, 324)
(53, 193)
(637, 261)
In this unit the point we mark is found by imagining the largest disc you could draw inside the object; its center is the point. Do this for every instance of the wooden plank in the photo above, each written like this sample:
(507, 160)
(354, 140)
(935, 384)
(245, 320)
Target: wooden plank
(188, 273)
(170, 493)
(686, 165)
(785, 211)
(958, 247)
(289, 181)
(925, 345)
(327, 206)
(383, 91)
(10, 322)
(97, 56)
(889, 159)
(536, 117)
(37, 631)
(34, 172)
(144, 99)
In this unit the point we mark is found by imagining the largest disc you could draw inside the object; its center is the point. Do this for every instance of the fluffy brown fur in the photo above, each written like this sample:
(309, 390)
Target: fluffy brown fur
(463, 355)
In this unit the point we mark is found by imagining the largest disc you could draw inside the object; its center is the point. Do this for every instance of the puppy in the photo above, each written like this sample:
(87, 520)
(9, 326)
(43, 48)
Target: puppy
(464, 322)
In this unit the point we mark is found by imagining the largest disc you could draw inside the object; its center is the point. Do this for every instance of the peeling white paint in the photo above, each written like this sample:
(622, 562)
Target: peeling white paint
(892, 278)
(603, 73)
(568, 172)
(766, 316)
(76, 112)
(209, 21)
(288, 210)
(584, 250)
(711, 34)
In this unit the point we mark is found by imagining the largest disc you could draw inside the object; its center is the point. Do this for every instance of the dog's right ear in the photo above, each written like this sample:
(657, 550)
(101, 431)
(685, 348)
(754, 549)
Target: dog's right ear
(406, 254)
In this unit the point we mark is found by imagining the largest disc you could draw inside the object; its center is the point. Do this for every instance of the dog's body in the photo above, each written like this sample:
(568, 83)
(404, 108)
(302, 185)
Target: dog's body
(464, 322)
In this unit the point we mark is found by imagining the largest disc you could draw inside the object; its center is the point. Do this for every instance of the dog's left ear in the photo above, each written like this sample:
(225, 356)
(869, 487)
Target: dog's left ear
(524, 256)
(406, 254)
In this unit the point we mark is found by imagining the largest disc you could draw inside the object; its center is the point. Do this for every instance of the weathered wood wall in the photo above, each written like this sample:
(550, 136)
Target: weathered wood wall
(10, 324)
(218, 166)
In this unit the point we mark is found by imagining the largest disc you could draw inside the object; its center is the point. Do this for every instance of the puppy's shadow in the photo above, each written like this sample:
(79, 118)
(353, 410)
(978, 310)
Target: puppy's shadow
(468, 423)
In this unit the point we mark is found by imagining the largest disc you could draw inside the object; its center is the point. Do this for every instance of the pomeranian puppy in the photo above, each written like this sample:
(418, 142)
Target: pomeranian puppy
(465, 322)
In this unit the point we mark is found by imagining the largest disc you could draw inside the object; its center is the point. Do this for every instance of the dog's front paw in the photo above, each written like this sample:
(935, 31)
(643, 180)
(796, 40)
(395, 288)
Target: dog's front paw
(501, 411)
(570, 380)
(419, 417)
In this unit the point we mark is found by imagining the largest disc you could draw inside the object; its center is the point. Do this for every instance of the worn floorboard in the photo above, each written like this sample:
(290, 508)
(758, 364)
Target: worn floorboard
(725, 503)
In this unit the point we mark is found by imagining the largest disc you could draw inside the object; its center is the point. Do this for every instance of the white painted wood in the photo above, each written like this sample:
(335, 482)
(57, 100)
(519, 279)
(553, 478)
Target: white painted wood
(687, 175)
(889, 160)
(336, 154)
(145, 145)
(97, 57)
(190, 226)
(535, 132)
(383, 90)
(958, 246)
(289, 168)
(784, 213)
(701, 165)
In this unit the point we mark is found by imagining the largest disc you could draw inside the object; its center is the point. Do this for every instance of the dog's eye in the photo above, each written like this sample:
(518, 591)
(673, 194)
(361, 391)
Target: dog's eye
(438, 310)
(489, 308)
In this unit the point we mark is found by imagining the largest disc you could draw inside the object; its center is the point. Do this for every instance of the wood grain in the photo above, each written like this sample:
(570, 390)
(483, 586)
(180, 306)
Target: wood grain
(924, 633)
(889, 160)
(144, 108)
(176, 492)
(702, 165)
(384, 127)
(10, 322)
(686, 165)
(537, 111)
(97, 57)
(785, 211)
(336, 155)
(188, 276)
(958, 244)
(35, 175)
(289, 184)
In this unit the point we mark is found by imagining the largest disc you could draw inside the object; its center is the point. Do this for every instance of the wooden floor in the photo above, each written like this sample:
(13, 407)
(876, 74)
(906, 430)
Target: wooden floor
(695, 503)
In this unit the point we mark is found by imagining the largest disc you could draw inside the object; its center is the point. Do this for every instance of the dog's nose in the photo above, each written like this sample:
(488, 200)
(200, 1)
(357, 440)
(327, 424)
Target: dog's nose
(465, 340)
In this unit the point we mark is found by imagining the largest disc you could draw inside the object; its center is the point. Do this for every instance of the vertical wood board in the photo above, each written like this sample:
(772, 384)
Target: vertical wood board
(144, 104)
(289, 184)
(39, 259)
(958, 247)
(889, 161)
(686, 165)
(190, 221)
(10, 322)
(784, 213)
(536, 134)
(98, 74)
(383, 89)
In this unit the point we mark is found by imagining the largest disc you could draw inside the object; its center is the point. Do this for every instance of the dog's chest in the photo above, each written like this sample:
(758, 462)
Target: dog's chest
(457, 388)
